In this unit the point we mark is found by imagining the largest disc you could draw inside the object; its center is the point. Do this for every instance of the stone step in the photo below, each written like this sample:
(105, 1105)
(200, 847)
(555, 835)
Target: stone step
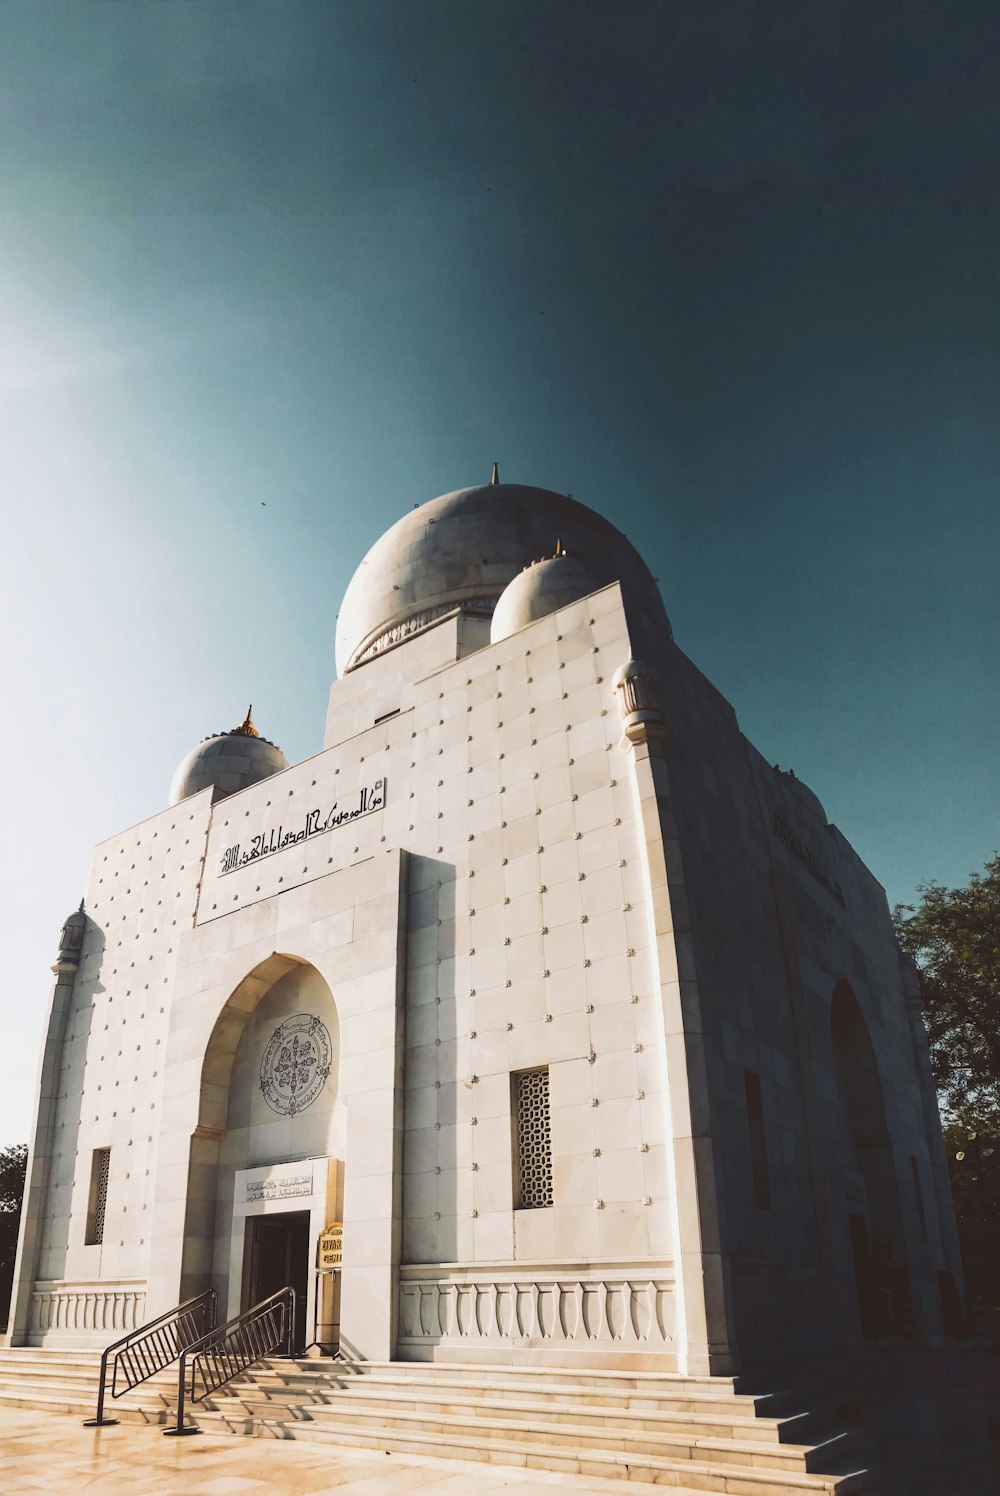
(56, 1400)
(488, 1373)
(289, 1376)
(734, 1480)
(249, 1403)
(782, 1405)
(539, 1432)
(41, 1380)
(71, 1375)
(67, 1376)
(24, 1356)
(668, 1388)
(266, 1400)
(82, 1385)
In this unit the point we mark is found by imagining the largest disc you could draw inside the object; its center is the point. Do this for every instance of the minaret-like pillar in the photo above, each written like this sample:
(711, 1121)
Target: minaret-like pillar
(701, 1278)
(43, 1129)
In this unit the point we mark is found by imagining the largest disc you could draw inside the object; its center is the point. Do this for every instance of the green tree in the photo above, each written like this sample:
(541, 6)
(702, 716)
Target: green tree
(974, 1171)
(13, 1167)
(953, 934)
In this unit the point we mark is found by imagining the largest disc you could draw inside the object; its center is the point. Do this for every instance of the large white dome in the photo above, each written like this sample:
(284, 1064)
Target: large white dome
(461, 550)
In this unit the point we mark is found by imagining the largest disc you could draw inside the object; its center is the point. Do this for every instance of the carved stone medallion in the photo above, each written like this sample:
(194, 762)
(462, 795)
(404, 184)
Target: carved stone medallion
(296, 1064)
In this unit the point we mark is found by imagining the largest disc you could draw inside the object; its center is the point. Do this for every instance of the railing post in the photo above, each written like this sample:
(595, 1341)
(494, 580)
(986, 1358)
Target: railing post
(180, 1427)
(99, 1420)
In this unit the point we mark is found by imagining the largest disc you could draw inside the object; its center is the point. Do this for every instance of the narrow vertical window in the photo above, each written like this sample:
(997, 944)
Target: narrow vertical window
(532, 1139)
(758, 1142)
(100, 1167)
(918, 1191)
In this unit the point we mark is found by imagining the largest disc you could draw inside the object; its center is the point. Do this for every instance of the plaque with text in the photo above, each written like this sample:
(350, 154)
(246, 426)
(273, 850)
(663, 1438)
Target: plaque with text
(330, 1247)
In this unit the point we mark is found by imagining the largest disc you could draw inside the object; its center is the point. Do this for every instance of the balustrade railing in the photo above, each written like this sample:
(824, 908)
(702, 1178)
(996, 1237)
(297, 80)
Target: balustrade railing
(223, 1353)
(151, 1348)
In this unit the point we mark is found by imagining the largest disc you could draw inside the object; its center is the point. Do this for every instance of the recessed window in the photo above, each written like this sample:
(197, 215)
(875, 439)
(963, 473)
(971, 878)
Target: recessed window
(100, 1168)
(532, 1139)
(758, 1140)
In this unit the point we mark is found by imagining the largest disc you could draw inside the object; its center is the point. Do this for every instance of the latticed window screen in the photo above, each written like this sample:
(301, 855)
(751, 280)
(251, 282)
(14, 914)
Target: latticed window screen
(533, 1133)
(100, 1168)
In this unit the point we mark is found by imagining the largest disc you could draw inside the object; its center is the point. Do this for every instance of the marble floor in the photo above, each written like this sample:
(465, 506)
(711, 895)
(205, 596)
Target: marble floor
(53, 1453)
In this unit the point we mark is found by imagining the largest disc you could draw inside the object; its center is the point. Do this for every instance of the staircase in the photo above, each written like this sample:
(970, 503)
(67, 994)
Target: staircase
(65, 1381)
(693, 1434)
(690, 1433)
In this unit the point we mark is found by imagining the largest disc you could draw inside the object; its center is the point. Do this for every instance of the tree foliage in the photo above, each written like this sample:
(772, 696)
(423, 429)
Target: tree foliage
(974, 1171)
(953, 934)
(13, 1164)
(13, 1167)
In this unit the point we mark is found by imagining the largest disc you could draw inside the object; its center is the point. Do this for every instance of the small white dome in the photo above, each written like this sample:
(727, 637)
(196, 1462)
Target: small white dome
(228, 762)
(804, 796)
(543, 587)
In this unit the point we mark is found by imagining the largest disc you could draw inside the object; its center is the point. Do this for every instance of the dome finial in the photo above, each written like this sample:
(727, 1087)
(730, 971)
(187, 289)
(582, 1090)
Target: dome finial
(496, 475)
(225, 766)
(559, 548)
(246, 727)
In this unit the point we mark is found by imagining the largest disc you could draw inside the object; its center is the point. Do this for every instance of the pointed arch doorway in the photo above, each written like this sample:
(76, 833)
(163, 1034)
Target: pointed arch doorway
(868, 1175)
(270, 1104)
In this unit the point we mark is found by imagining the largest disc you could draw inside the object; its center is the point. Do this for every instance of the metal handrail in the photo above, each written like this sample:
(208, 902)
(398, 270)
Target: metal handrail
(151, 1348)
(224, 1352)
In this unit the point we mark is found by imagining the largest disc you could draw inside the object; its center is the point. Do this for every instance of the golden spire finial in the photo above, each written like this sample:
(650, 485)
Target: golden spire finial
(559, 549)
(496, 475)
(246, 727)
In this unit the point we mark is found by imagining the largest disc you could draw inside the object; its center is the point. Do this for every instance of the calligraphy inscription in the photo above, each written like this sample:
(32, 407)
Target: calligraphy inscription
(278, 1189)
(808, 860)
(277, 839)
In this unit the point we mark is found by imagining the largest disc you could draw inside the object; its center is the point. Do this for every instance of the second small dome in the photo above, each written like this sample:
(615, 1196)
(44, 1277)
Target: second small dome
(541, 588)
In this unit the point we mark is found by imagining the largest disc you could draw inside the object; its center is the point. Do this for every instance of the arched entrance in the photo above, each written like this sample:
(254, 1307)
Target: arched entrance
(270, 1141)
(342, 934)
(867, 1172)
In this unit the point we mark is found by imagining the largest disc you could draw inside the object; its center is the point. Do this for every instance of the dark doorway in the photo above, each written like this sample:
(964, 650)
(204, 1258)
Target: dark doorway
(279, 1258)
(877, 1244)
(874, 1297)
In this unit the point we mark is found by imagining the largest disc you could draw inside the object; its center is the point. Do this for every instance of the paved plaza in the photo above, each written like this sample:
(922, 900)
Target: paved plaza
(52, 1453)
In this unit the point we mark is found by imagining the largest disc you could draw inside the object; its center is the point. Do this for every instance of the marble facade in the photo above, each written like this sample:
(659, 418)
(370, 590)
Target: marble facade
(529, 853)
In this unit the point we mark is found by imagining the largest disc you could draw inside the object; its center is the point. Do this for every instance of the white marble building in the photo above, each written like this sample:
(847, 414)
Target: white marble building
(581, 1017)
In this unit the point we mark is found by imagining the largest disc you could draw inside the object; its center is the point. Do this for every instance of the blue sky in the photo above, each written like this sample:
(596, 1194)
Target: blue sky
(272, 273)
